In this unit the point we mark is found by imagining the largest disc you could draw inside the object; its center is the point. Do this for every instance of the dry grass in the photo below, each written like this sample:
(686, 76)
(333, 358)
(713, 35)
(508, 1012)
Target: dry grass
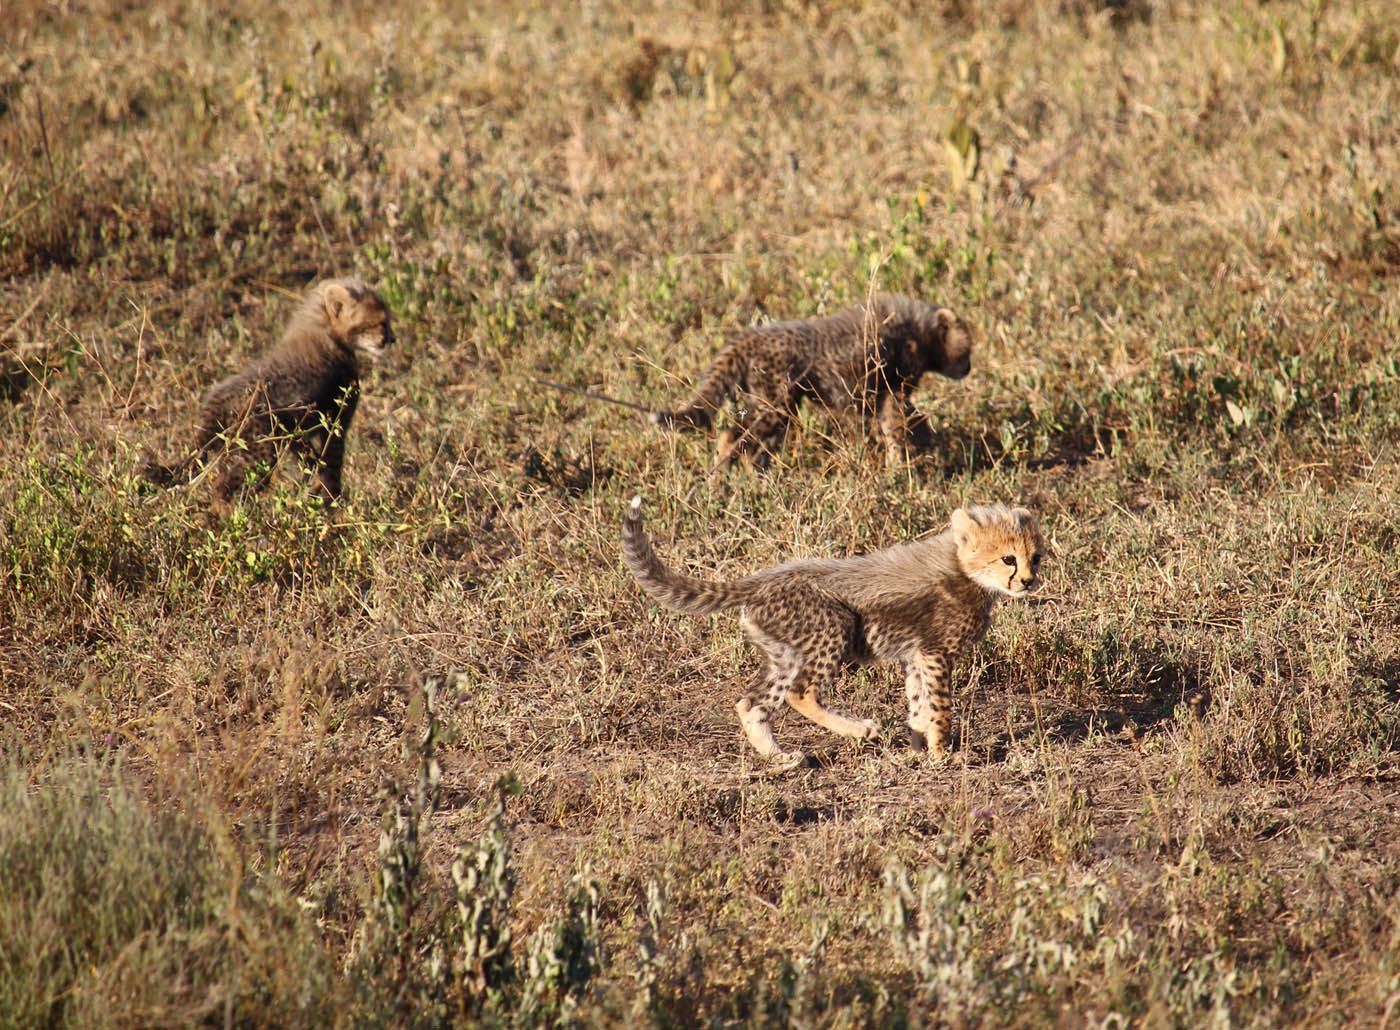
(1173, 804)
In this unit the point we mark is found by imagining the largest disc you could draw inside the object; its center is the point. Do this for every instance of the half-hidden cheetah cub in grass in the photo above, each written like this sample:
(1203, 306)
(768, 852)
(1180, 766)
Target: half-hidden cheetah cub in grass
(920, 604)
(867, 358)
(299, 396)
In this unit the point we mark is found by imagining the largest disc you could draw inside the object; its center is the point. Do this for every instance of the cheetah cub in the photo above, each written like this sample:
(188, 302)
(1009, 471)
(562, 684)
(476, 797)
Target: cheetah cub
(867, 358)
(920, 604)
(301, 396)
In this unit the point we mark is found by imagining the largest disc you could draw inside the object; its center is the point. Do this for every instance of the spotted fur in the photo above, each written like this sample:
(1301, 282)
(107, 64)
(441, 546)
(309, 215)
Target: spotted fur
(300, 395)
(867, 358)
(921, 604)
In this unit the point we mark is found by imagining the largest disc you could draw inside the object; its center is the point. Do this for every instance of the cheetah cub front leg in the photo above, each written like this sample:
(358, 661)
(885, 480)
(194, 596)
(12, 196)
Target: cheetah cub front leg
(930, 702)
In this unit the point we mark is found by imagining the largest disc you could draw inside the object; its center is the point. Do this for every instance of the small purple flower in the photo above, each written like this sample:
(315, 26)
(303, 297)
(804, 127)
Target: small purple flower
(982, 815)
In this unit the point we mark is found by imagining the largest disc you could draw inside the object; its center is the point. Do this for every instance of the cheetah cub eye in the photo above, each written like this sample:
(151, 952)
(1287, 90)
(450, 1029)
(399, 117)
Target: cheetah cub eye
(1010, 559)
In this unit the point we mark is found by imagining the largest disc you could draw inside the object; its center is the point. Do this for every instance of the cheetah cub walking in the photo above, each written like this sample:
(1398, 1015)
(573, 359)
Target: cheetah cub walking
(867, 358)
(920, 604)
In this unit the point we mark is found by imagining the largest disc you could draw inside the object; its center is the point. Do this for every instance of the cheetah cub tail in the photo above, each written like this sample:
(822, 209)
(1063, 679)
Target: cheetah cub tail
(693, 417)
(675, 591)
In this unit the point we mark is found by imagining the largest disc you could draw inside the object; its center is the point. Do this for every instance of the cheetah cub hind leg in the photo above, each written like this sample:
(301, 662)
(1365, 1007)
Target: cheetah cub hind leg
(827, 627)
(809, 703)
(759, 731)
(784, 663)
(798, 670)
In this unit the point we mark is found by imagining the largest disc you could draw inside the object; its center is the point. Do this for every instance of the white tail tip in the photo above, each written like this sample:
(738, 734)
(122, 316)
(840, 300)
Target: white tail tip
(636, 505)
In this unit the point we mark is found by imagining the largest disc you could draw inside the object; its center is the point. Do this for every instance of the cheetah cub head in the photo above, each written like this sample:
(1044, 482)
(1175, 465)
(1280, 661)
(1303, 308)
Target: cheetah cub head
(356, 316)
(999, 548)
(954, 359)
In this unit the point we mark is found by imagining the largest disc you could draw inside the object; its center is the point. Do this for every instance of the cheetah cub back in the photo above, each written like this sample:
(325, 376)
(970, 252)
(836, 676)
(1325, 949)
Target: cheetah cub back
(921, 604)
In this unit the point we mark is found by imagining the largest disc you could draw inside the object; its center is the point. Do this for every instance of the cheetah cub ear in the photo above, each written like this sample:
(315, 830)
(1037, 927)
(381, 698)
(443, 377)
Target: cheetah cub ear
(337, 298)
(963, 525)
(1022, 520)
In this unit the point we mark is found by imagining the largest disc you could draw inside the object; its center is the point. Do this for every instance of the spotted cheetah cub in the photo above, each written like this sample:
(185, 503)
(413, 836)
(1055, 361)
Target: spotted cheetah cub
(867, 358)
(920, 604)
(300, 396)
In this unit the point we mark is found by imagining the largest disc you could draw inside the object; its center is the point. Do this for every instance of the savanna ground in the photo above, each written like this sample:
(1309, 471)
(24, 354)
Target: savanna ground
(243, 752)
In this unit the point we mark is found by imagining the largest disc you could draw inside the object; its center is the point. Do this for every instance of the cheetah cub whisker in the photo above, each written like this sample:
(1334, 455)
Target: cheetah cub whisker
(921, 604)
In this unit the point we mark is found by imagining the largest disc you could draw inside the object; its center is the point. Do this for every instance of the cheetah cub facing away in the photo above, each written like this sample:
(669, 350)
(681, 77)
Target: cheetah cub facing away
(920, 604)
(300, 395)
(867, 358)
